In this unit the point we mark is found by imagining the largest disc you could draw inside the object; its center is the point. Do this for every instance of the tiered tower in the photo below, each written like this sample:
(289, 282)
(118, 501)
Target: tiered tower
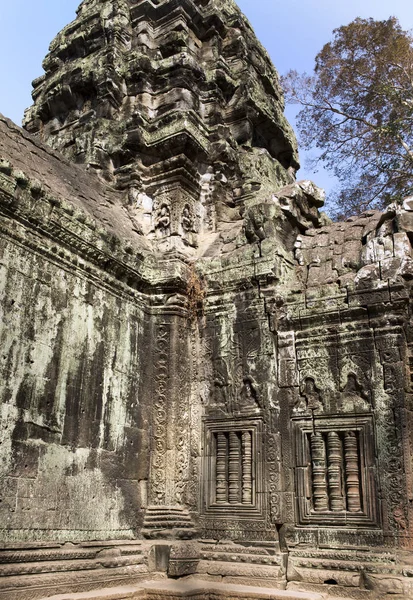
(175, 102)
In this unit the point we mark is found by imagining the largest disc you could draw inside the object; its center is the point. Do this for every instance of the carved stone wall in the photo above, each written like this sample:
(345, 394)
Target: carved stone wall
(189, 348)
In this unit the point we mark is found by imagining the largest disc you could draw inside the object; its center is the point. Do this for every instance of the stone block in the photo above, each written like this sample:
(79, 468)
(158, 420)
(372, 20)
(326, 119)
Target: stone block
(158, 557)
(25, 460)
(184, 559)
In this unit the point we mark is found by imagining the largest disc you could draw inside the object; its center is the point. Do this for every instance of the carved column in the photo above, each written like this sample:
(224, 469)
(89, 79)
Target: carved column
(246, 468)
(222, 469)
(318, 455)
(160, 418)
(352, 472)
(234, 468)
(335, 461)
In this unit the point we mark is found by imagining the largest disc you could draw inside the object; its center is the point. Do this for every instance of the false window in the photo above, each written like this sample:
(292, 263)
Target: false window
(232, 478)
(335, 470)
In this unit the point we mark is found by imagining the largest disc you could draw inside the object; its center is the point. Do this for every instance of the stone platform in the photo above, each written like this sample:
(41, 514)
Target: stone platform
(191, 569)
(191, 589)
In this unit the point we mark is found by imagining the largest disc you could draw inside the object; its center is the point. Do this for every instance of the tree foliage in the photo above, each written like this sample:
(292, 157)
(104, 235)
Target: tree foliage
(357, 110)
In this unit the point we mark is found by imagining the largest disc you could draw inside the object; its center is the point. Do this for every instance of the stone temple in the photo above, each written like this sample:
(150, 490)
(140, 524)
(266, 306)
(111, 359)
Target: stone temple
(206, 386)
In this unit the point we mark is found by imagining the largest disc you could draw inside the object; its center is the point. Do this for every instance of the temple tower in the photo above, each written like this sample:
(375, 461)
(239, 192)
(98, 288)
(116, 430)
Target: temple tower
(176, 103)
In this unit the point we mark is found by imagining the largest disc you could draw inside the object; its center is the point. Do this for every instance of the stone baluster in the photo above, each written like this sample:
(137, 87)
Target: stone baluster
(246, 468)
(335, 481)
(222, 469)
(234, 468)
(318, 455)
(351, 453)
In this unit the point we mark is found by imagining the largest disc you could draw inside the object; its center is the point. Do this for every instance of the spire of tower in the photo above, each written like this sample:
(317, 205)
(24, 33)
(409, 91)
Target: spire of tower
(175, 101)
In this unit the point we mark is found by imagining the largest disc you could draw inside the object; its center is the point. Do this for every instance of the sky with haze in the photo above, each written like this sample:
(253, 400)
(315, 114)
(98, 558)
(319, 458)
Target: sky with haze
(293, 33)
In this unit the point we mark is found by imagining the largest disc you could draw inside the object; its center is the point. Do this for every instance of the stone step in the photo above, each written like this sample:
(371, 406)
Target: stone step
(188, 589)
(168, 519)
(167, 509)
(347, 566)
(72, 553)
(115, 593)
(171, 514)
(19, 569)
(167, 524)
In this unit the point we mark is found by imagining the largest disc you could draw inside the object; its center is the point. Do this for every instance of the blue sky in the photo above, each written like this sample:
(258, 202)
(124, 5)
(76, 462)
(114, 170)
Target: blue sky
(293, 32)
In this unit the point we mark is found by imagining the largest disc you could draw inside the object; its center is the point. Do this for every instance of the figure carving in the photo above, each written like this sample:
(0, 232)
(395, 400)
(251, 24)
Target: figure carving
(310, 398)
(163, 221)
(353, 397)
(248, 398)
(187, 219)
(222, 388)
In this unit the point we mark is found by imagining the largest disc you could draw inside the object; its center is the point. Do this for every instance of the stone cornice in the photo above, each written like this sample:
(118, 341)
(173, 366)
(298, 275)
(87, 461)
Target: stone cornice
(64, 234)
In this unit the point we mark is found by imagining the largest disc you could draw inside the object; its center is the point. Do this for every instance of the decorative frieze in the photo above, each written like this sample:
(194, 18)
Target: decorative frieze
(158, 479)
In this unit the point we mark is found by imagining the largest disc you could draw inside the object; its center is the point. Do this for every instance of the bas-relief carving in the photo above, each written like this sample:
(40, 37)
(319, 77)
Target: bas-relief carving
(353, 398)
(158, 455)
(248, 399)
(187, 220)
(304, 425)
(233, 395)
(182, 431)
(222, 389)
(310, 398)
(162, 221)
(140, 208)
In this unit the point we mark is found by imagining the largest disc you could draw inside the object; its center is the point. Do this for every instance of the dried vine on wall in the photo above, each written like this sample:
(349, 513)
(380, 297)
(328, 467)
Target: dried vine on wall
(196, 291)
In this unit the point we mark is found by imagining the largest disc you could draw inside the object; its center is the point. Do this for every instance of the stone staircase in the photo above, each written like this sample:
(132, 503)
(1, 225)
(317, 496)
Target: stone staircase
(200, 570)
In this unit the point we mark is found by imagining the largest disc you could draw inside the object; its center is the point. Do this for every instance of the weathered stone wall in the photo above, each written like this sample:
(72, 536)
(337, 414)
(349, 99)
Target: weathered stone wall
(189, 348)
(74, 445)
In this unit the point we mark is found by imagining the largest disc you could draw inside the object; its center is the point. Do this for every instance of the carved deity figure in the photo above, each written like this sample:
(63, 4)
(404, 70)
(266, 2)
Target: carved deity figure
(353, 397)
(222, 388)
(187, 220)
(310, 397)
(247, 398)
(163, 220)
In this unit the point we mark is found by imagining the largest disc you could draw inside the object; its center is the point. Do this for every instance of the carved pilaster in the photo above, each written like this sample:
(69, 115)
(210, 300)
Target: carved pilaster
(158, 480)
(351, 452)
(318, 454)
(234, 468)
(246, 468)
(221, 469)
(335, 479)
